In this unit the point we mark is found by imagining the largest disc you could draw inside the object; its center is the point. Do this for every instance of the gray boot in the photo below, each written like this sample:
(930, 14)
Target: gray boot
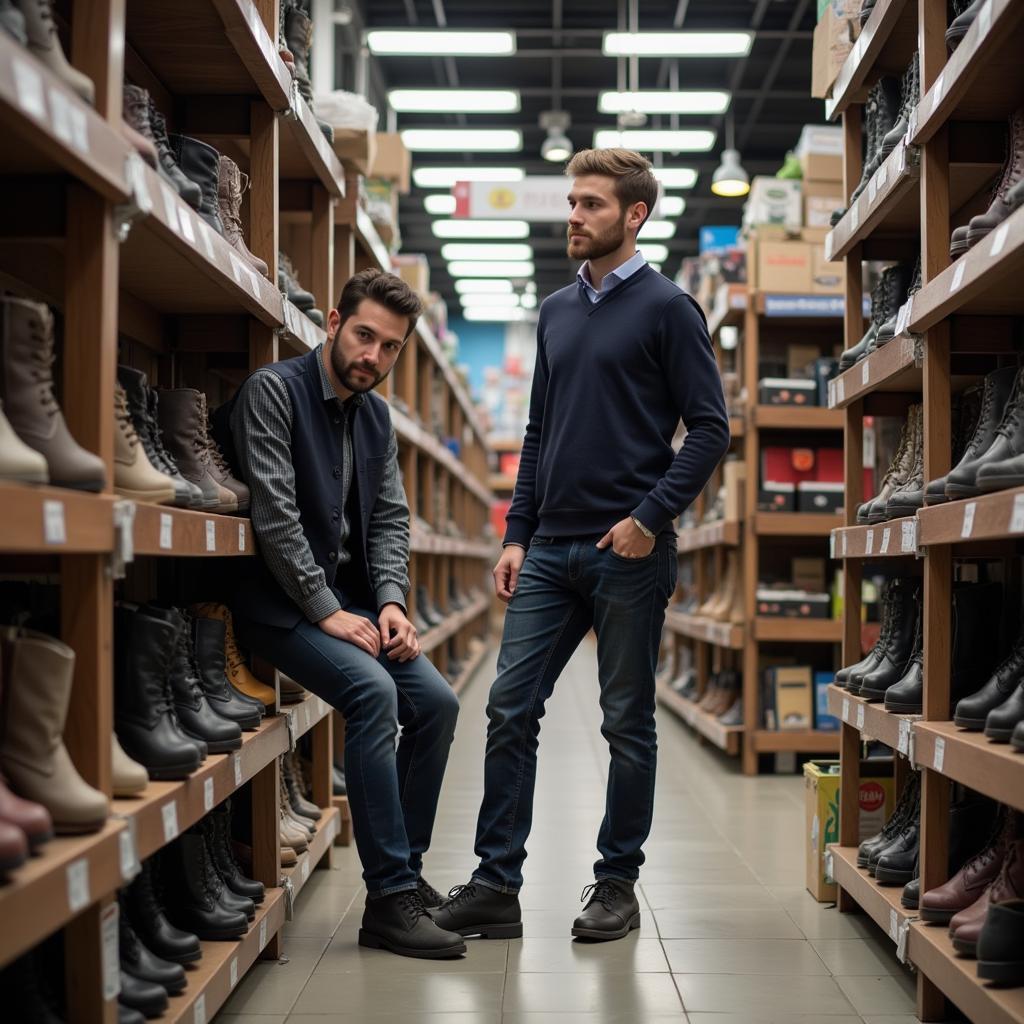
(44, 42)
(201, 163)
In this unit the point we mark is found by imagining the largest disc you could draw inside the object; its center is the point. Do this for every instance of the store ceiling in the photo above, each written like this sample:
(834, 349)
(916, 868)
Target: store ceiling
(770, 97)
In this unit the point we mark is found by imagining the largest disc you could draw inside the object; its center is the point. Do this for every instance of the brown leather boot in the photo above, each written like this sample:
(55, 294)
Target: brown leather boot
(720, 610)
(900, 469)
(1009, 885)
(231, 184)
(26, 389)
(237, 671)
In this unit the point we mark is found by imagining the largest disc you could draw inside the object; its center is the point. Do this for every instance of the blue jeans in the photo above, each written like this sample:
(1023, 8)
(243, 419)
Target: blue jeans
(567, 586)
(393, 795)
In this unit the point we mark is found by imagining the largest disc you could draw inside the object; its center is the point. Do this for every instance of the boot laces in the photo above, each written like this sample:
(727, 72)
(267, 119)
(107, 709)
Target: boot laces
(152, 420)
(461, 894)
(234, 659)
(411, 904)
(43, 358)
(428, 892)
(1011, 414)
(602, 891)
(124, 417)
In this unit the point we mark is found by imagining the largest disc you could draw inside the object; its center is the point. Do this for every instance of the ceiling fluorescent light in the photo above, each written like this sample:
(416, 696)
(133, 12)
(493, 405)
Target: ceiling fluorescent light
(480, 229)
(528, 300)
(668, 206)
(496, 315)
(446, 177)
(454, 101)
(486, 252)
(515, 269)
(657, 229)
(685, 140)
(684, 102)
(677, 44)
(465, 140)
(670, 177)
(469, 286)
(444, 43)
(653, 252)
(489, 302)
(439, 204)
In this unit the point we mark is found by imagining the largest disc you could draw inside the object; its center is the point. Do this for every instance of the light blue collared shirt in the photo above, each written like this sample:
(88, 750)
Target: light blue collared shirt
(619, 274)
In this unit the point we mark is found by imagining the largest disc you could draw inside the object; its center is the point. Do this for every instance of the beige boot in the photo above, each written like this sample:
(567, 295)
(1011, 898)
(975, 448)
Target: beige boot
(289, 858)
(18, 461)
(44, 42)
(720, 610)
(738, 611)
(130, 778)
(134, 475)
(237, 671)
(292, 835)
(32, 753)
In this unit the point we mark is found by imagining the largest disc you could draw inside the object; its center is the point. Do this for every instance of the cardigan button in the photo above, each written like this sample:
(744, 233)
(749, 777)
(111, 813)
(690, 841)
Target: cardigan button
(332, 556)
(335, 515)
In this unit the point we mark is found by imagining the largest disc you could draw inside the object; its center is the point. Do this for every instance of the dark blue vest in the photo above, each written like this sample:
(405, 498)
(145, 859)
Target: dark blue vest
(316, 452)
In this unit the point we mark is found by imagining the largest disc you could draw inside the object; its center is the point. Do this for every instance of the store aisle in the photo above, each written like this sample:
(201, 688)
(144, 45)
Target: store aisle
(728, 930)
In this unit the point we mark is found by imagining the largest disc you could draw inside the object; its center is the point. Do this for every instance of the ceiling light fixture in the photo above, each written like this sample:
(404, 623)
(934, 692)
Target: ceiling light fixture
(439, 204)
(557, 147)
(454, 101)
(470, 286)
(463, 140)
(514, 315)
(446, 177)
(487, 253)
(657, 229)
(684, 140)
(677, 44)
(730, 178)
(653, 252)
(528, 300)
(480, 229)
(670, 177)
(669, 206)
(514, 269)
(440, 43)
(710, 102)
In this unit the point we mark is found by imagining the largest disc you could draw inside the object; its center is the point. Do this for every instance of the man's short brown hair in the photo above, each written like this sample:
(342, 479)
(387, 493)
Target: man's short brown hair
(379, 286)
(634, 180)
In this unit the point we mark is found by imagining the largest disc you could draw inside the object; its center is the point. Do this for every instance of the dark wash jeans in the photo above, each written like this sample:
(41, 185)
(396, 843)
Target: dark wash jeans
(567, 586)
(393, 795)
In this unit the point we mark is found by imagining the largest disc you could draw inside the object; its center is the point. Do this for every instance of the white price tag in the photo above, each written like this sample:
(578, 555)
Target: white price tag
(844, 543)
(883, 174)
(166, 531)
(304, 871)
(211, 535)
(872, 191)
(884, 546)
(79, 130)
(939, 758)
(958, 277)
(171, 210)
(999, 239)
(208, 795)
(207, 235)
(846, 709)
(28, 84)
(263, 934)
(831, 394)
(937, 88)
(199, 1009)
(855, 216)
(829, 247)
(909, 535)
(904, 740)
(869, 542)
(60, 111)
(984, 20)
(233, 971)
(54, 529)
(236, 762)
(865, 372)
(237, 271)
(186, 227)
(860, 716)
(840, 391)
(902, 165)
(169, 813)
(901, 942)
(1017, 515)
(968, 527)
(128, 854)
(911, 132)
(78, 885)
(894, 925)
(832, 544)
(902, 318)
(110, 952)
(241, 536)
(254, 281)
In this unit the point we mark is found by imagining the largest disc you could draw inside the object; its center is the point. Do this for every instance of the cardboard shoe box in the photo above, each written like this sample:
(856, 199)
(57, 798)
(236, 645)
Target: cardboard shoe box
(786, 391)
(774, 201)
(783, 266)
(794, 704)
(776, 497)
(792, 604)
(392, 162)
(812, 496)
(826, 277)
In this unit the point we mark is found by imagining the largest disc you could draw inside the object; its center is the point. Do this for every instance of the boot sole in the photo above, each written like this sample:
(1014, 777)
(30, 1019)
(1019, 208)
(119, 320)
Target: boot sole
(603, 936)
(890, 876)
(974, 237)
(492, 931)
(1008, 972)
(166, 497)
(903, 709)
(970, 724)
(969, 949)
(936, 916)
(371, 941)
(908, 904)
(172, 774)
(999, 735)
(999, 483)
(955, 491)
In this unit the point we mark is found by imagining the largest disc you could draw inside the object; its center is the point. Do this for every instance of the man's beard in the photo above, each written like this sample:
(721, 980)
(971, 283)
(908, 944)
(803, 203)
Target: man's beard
(344, 373)
(599, 245)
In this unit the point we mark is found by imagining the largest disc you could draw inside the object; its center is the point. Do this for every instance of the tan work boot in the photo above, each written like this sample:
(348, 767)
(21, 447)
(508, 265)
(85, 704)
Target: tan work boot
(134, 475)
(32, 752)
(237, 671)
(231, 184)
(18, 461)
(719, 611)
(129, 777)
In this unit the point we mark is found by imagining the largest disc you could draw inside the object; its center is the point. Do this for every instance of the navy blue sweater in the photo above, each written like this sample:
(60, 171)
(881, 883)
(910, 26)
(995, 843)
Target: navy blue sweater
(611, 383)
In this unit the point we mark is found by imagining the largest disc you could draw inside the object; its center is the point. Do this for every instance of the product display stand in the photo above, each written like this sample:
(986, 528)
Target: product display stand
(950, 333)
(138, 278)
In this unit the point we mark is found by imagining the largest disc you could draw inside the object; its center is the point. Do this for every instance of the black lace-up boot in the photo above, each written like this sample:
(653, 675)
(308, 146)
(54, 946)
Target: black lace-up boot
(476, 909)
(611, 912)
(401, 924)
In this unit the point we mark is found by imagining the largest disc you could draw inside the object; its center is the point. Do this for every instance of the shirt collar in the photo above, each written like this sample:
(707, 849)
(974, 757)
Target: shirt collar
(611, 279)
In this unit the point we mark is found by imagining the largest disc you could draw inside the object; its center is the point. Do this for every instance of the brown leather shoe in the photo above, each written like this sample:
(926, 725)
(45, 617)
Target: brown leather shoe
(965, 927)
(13, 847)
(28, 817)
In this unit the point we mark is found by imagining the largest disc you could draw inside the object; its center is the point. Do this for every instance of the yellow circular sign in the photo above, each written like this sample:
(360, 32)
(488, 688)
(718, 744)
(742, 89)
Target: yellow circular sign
(501, 198)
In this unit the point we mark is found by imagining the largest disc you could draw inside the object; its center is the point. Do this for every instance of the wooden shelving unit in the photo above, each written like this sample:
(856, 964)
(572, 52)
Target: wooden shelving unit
(710, 535)
(794, 524)
(896, 538)
(880, 902)
(725, 737)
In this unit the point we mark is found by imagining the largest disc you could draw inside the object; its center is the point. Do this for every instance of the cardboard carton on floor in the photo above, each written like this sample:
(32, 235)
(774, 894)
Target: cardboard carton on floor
(821, 801)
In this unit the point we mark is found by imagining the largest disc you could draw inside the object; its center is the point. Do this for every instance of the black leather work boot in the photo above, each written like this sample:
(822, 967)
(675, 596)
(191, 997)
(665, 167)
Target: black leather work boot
(966, 414)
(871, 659)
(904, 642)
(1013, 171)
(887, 331)
(142, 963)
(898, 279)
(966, 11)
(139, 902)
(1002, 466)
(612, 910)
(1002, 721)
(143, 116)
(910, 93)
(208, 638)
(972, 711)
(475, 909)
(190, 875)
(872, 511)
(201, 164)
(401, 924)
(853, 355)
(899, 612)
(216, 827)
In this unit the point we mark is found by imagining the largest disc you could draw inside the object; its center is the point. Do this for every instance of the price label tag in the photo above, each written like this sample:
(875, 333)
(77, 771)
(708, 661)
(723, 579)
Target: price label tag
(939, 757)
(883, 173)
(128, 854)
(832, 544)
(831, 394)
(169, 813)
(171, 211)
(199, 1009)
(894, 925)
(208, 795)
(254, 281)
(829, 247)
(186, 227)
(883, 548)
(911, 130)
(869, 542)
(207, 236)
(902, 318)
(78, 885)
(958, 277)
(1017, 515)
(909, 535)
(855, 216)
(904, 739)
(166, 531)
(211, 535)
(846, 709)
(110, 952)
(79, 130)
(901, 942)
(54, 529)
(241, 536)
(872, 190)
(305, 870)
(840, 391)
(999, 239)
(860, 716)
(844, 536)
(984, 20)
(263, 934)
(236, 762)
(865, 372)
(60, 111)
(28, 86)
(968, 526)
(940, 84)
(233, 971)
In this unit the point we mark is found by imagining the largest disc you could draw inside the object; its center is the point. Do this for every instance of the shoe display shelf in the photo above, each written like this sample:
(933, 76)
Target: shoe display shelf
(725, 737)
(951, 332)
(724, 533)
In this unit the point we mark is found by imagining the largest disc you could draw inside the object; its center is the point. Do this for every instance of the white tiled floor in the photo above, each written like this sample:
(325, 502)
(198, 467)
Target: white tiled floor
(729, 935)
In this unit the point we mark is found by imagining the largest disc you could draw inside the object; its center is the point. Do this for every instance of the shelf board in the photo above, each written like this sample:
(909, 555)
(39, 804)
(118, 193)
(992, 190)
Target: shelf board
(930, 949)
(893, 367)
(729, 309)
(984, 76)
(301, 716)
(737, 426)
(996, 516)
(885, 45)
(433, 346)
(725, 533)
(192, 798)
(162, 530)
(52, 131)
(474, 662)
(433, 639)
(808, 741)
(797, 417)
(719, 634)
(55, 520)
(305, 153)
(369, 240)
(872, 719)
(501, 482)
(894, 539)
(798, 630)
(985, 280)
(328, 825)
(889, 207)
(795, 524)
(225, 962)
(438, 544)
(801, 308)
(37, 896)
(725, 737)
(995, 769)
(299, 330)
(880, 902)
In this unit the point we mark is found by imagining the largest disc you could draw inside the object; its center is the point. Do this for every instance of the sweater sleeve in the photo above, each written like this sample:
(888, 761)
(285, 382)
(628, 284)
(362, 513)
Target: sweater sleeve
(691, 371)
(521, 520)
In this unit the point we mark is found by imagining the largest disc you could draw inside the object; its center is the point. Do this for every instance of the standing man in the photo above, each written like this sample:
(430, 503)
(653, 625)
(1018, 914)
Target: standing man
(326, 602)
(622, 355)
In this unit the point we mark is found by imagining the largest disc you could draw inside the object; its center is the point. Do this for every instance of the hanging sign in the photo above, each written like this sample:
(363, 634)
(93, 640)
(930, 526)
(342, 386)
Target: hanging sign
(538, 198)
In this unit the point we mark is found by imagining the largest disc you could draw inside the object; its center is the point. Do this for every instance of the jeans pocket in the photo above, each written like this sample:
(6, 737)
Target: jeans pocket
(634, 561)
